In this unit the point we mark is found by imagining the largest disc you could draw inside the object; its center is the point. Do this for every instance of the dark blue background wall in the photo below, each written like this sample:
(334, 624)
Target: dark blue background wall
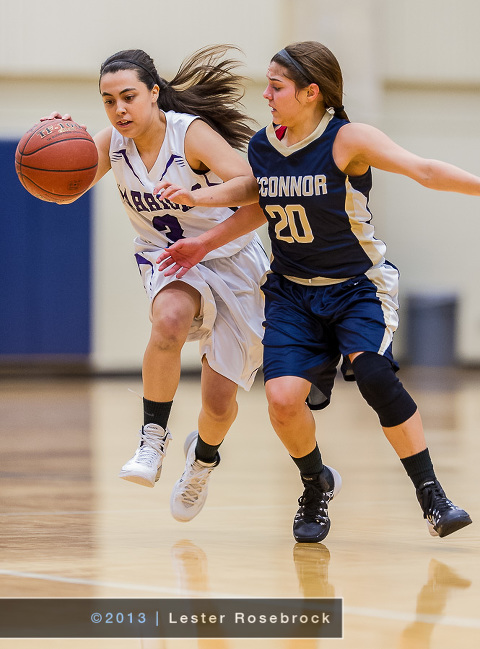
(44, 269)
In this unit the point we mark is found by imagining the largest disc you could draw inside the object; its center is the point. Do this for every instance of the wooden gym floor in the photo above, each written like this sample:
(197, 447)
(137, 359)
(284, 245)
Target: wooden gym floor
(71, 528)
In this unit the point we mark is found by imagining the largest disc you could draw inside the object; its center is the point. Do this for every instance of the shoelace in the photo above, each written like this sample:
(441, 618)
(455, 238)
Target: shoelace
(434, 501)
(153, 445)
(314, 504)
(195, 482)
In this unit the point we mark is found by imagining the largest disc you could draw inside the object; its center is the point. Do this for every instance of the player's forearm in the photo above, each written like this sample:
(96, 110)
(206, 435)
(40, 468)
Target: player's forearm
(241, 190)
(244, 220)
(443, 176)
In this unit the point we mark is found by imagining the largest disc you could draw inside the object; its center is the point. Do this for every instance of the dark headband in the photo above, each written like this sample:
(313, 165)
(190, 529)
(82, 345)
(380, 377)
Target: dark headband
(285, 55)
(138, 65)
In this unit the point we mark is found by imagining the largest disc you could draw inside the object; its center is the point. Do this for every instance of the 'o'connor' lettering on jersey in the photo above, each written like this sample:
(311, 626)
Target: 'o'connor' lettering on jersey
(293, 186)
(318, 217)
(158, 221)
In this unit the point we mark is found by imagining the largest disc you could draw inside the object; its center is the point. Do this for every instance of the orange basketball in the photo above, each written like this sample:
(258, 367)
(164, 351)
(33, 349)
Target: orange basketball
(56, 160)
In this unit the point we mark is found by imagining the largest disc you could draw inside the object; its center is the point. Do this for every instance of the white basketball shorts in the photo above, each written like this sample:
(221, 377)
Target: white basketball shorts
(229, 327)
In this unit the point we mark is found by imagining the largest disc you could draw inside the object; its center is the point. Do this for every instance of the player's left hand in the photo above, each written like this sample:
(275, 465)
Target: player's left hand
(174, 193)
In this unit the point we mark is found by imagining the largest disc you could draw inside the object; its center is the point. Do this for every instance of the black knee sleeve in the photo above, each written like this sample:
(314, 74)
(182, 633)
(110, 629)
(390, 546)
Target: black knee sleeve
(382, 390)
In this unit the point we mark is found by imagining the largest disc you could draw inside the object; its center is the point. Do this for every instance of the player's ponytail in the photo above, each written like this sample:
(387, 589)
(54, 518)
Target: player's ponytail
(311, 62)
(205, 85)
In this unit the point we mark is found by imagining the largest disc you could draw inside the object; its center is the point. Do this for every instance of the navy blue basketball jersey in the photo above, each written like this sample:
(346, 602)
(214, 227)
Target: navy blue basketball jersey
(318, 217)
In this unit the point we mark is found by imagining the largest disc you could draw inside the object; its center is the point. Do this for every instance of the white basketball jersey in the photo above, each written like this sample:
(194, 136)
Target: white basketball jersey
(162, 222)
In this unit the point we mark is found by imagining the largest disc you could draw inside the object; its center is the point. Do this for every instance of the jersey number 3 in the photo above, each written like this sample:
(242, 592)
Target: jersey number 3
(170, 226)
(292, 223)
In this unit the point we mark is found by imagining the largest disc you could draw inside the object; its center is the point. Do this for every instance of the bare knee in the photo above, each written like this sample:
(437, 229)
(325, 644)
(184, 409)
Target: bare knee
(169, 332)
(220, 410)
(173, 311)
(219, 397)
(284, 401)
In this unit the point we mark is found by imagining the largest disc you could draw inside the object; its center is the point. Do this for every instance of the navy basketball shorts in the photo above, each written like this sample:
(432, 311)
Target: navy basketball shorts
(308, 328)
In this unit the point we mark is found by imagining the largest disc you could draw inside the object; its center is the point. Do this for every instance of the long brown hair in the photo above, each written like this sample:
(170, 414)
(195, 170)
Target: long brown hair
(205, 85)
(315, 63)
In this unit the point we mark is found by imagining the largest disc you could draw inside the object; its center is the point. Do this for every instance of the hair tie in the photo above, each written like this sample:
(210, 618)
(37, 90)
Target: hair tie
(339, 109)
(285, 55)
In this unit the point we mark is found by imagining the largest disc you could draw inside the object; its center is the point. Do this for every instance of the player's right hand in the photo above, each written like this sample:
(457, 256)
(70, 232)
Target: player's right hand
(181, 256)
(56, 115)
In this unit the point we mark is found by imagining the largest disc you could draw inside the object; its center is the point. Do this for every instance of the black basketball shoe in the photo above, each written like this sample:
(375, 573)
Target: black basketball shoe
(443, 517)
(311, 523)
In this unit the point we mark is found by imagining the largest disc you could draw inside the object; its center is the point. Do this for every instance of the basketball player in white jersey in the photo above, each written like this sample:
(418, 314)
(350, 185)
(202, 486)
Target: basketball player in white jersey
(184, 131)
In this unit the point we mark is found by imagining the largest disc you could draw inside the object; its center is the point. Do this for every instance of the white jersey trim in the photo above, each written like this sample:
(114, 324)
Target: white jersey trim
(359, 217)
(288, 150)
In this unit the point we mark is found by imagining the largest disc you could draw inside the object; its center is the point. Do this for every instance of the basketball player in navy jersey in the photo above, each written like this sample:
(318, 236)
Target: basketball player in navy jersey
(331, 291)
(169, 130)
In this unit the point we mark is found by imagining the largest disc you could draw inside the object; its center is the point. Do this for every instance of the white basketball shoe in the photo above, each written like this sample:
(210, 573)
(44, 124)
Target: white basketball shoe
(190, 492)
(145, 466)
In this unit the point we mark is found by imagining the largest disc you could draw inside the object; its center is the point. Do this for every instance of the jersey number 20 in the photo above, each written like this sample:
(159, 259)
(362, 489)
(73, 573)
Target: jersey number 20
(292, 223)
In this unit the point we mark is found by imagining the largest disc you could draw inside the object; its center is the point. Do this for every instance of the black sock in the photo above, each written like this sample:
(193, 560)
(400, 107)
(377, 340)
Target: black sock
(156, 412)
(206, 452)
(310, 464)
(419, 467)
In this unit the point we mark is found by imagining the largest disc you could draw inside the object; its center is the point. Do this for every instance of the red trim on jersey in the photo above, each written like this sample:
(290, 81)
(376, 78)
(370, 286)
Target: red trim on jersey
(280, 131)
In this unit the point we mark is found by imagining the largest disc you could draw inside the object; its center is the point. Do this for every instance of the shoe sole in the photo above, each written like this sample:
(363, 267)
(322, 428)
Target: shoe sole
(451, 526)
(313, 539)
(138, 478)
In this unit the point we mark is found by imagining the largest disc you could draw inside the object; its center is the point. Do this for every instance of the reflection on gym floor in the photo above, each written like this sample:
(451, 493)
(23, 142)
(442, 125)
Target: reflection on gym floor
(71, 528)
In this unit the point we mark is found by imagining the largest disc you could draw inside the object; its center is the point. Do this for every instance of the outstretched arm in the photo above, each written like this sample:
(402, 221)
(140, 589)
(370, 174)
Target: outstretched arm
(358, 146)
(186, 253)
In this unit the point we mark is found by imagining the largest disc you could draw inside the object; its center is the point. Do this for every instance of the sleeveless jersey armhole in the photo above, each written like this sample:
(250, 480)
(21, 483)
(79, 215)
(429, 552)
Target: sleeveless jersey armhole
(359, 176)
(195, 171)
